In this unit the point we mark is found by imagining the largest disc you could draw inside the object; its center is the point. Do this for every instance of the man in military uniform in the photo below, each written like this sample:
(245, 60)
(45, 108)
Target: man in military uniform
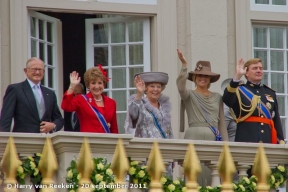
(254, 104)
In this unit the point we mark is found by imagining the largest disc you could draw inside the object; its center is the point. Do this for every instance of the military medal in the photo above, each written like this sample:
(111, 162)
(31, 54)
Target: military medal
(269, 98)
(268, 105)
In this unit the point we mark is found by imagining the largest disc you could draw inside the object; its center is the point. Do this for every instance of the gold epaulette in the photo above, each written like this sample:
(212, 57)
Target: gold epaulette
(231, 89)
(268, 87)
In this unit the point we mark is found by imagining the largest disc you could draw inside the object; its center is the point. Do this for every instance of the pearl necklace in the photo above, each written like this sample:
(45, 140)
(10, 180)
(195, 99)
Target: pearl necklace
(99, 99)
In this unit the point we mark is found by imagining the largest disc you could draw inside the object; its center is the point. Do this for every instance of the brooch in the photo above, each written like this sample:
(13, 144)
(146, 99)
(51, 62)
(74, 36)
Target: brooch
(109, 125)
(198, 67)
(269, 98)
(268, 105)
(90, 100)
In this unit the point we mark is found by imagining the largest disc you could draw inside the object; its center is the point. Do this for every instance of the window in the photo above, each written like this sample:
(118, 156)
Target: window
(122, 46)
(271, 2)
(271, 45)
(42, 44)
(269, 5)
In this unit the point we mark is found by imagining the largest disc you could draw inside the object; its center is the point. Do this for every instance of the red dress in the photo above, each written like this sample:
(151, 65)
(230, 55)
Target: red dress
(87, 118)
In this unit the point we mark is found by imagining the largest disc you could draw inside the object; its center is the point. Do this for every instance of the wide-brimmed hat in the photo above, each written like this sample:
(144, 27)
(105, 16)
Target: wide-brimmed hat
(204, 68)
(154, 77)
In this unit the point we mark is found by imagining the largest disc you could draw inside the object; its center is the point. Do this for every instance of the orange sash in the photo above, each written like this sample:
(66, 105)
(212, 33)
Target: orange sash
(266, 121)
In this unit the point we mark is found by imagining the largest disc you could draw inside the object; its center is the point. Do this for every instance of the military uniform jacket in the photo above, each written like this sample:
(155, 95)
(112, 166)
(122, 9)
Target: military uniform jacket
(253, 131)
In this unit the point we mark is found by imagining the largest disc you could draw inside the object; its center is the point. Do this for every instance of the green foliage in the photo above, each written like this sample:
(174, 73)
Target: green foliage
(138, 174)
(278, 177)
(28, 167)
(101, 175)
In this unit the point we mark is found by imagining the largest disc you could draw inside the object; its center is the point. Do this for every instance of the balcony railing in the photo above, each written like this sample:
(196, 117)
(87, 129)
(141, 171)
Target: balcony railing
(67, 145)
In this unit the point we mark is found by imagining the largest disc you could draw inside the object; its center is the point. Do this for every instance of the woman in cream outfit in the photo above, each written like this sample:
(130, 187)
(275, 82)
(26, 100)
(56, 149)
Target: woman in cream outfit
(204, 108)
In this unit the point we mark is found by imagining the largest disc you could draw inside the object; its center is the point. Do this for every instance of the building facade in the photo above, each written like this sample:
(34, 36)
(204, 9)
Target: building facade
(131, 36)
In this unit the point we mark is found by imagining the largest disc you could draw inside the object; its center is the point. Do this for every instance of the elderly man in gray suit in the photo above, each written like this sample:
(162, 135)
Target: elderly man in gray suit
(32, 106)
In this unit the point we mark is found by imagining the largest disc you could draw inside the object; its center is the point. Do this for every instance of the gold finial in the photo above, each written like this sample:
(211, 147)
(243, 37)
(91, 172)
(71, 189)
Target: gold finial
(120, 166)
(10, 163)
(155, 168)
(85, 166)
(226, 168)
(47, 166)
(192, 168)
(261, 169)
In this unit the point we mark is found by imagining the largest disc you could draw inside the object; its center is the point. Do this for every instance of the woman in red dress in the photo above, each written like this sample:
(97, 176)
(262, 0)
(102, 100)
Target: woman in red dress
(95, 111)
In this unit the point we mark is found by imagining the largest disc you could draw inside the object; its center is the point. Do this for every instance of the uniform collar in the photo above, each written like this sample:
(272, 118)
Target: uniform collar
(255, 86)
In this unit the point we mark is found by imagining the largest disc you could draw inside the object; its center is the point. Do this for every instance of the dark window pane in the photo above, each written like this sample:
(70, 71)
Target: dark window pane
(42, 51)
(262, 1)
(260, 37)
(33, 26)
(50, 55)
(101, 56)
(121, 120)
(263, 56)
(117, 32)
(136, 54)
(119, 78)
(118, 55)
(121, 99)
(41, 29)
(276, 38)
(135, 31)
(101, 33)
(278, 2)
(50, 78)
(49, 32)
(33, 48)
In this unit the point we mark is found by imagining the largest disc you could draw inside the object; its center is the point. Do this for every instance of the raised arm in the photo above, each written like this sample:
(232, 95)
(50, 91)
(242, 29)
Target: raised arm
(69, 103)
(135, 101)
(181, 80)
(229, 96)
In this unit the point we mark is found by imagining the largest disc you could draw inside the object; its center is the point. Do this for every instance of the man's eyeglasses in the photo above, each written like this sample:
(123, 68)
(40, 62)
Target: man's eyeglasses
(35, 69)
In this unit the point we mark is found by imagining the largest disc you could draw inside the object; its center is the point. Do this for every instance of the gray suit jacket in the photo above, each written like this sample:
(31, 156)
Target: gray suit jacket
(230, 123)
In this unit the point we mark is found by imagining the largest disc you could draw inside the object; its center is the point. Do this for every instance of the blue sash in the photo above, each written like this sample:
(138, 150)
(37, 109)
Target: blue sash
(99, 116)
(157, 125)
(249, 96)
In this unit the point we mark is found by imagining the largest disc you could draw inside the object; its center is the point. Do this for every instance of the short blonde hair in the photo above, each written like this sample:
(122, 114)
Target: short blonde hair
(93, 74)
(194, 80)
(252, 61)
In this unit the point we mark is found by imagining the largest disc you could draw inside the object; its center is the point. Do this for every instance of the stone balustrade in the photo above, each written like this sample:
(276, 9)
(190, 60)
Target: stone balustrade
(67, 146)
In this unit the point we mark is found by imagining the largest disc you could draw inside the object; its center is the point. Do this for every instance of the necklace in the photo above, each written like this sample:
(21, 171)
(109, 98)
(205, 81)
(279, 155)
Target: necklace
(98, 99)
